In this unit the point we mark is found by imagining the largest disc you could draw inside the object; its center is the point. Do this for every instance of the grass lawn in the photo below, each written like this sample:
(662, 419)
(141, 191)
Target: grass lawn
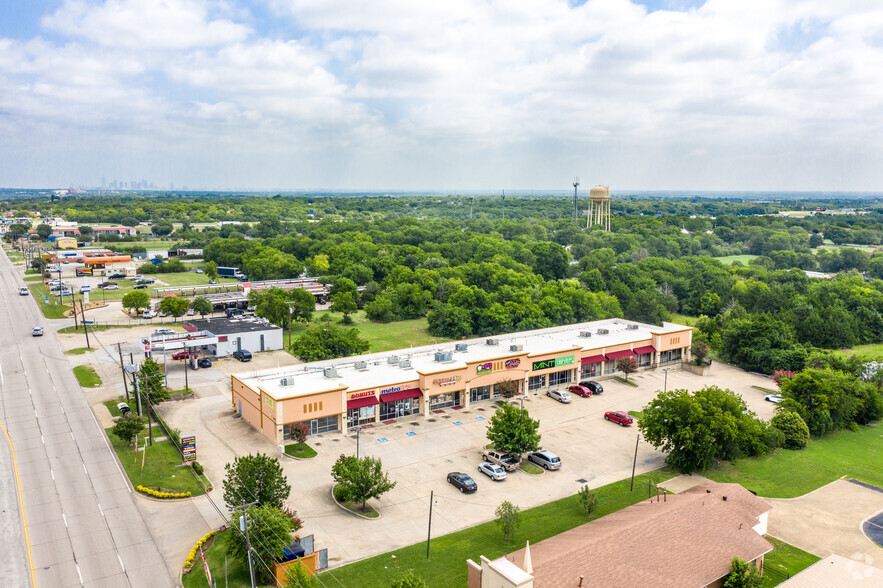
(237, 571)
(626, 382)
(381, 336)
(188, 279)
(866, 248)
(86, 376)
(784, 561)
(301, 450)
(162, 465)
(530, 468)
(51, 310)
(871, 351)
(683, 319)
(767, 390)
(729, 259)
(446, 565)
(33, 279)
(787, 474)
(78, 351)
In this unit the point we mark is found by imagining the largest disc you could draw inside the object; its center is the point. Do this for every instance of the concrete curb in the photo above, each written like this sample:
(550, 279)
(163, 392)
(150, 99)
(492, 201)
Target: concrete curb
(345, 509)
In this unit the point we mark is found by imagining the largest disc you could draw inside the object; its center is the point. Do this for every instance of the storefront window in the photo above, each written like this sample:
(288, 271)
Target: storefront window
(356, 417)
(446, 400)
(498, 388)
(670, 356)
(591, 370)
(399, 408)
(559, 378)
(644, 359)
(536, 382)
(610, 366)
(314, 427)
(481, 393)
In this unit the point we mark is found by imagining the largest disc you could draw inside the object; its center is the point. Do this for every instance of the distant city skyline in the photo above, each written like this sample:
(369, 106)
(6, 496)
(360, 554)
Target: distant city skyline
(275, 95)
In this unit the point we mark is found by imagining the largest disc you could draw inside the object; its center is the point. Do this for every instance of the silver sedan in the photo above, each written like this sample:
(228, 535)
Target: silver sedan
(492, 471)
(559, 395)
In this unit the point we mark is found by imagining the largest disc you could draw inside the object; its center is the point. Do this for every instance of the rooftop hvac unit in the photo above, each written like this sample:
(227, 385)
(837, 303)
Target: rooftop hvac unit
(443, 356)
(405, 363)
(285, 382)
(461, 347)
(632, 327)
(330, 372)
(493, 341)
(603, 331)
(393, 359)
(516, 348)
(585, 334)
(361, 365)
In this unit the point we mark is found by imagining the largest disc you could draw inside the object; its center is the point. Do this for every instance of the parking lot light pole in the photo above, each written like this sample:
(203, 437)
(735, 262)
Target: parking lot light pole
(665, 387)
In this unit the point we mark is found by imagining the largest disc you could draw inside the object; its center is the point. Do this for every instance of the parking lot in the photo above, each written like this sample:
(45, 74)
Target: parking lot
(418, 452)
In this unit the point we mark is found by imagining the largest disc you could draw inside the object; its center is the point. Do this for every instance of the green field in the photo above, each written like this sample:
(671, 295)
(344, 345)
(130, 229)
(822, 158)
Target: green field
(683, 319)
(866, 248)
(784, 561)
(86, 376)
(188, 279)
(381, 336)
(50, 310)
(787, 473)
(871, 351)
(729, 259)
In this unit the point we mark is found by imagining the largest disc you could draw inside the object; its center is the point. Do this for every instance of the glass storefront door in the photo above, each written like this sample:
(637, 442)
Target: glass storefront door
(356, 417)
(399, 408)
(446, 400)
(480, 393)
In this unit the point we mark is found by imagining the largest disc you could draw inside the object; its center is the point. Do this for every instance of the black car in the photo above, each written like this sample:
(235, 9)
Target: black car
(231, 312)
(116, 275)
(595, 387)
(242, 355)
(139, 287)
(462, 482)
(204, 363)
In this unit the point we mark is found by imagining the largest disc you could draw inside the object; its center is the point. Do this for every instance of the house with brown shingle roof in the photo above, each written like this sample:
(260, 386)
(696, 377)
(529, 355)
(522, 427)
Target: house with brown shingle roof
(679, 541)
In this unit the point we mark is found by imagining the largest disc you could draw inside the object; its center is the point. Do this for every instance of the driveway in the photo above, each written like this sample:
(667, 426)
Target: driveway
(829, 520)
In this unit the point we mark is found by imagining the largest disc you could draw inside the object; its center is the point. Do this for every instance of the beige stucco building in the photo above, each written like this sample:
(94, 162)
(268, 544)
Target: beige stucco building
(357, 391)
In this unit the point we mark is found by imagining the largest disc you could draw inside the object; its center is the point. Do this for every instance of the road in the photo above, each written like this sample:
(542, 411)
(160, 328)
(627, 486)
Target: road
(82, 521)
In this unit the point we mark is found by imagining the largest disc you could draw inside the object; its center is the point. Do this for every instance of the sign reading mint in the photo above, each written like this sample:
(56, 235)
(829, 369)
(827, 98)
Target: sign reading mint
(551, 363)
(188, 447)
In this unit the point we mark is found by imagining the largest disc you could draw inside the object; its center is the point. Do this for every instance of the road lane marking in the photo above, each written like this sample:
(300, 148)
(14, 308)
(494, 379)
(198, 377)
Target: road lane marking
(85, 470)
(121, 562)
(51, 473)
(64, 518)
(42, 439)
(21, 504)
(101, 510)
(79, 574)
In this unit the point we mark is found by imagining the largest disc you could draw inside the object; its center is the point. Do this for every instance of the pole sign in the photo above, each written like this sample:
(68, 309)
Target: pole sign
(188, 447)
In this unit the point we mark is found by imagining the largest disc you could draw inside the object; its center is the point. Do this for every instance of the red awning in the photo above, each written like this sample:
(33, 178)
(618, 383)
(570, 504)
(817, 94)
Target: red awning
(401, 395)
(643, 350)
(592, 359)
(620, 354)
(360, 402)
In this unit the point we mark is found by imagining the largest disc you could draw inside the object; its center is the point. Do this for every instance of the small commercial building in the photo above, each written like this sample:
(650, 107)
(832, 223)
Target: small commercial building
(66, 242)
(249, 333)
(357, 391)
(122, 231)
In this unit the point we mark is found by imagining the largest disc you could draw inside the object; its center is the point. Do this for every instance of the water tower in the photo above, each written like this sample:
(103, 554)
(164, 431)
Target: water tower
(599, 207)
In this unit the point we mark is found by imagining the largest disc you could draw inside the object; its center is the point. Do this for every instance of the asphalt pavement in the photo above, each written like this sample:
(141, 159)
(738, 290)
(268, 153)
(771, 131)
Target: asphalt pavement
(82, 521)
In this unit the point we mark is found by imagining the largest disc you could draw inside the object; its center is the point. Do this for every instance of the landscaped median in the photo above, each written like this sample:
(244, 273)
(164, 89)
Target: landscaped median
(87, 376)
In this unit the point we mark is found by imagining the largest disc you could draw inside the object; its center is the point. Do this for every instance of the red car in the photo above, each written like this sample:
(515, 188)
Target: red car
(183, 355)
(580, 391)
(623, 418)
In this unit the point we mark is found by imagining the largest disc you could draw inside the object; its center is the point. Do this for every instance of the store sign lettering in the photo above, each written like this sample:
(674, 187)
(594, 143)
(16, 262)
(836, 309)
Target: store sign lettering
(551, 363)
(446, 381)
(361, 394)
(486, 368)
(513, 363)
(393, 389)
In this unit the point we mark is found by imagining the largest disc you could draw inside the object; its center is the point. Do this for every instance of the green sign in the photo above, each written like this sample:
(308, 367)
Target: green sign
(551, 363)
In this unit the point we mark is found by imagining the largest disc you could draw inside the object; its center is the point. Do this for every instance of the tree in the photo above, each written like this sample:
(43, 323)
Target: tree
(742, 575)
(327, 342)
(136, 300)
(816, 240)
(359, 479)
(700, 350)
(301, 305)
(270, 531)
(16, 230)
(127, 426)
(507, 387)
(151, 382)
(85, 230)
(409, 580)
(297, 576)
(272, 304)
(44, 231)
(300, 431)
(511, 429)
(174, 306)
(162, 229)
(627, 365)
(202, 306)
(255, 478)
(508, 519)
(344, 302)
(211, 270)
(794, 430)
(587, 500)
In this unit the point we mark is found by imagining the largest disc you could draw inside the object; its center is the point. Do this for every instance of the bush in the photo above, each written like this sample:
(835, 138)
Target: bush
(159, 494)
(193, 552)
(587, 500)
(793, 428)
(197, 467)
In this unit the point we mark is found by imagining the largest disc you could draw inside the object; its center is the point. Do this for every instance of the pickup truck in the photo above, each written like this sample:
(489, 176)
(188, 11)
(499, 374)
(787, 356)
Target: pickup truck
(508, 461)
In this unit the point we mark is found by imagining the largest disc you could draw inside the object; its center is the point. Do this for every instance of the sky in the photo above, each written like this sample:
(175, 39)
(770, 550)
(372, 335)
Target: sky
(446, 95)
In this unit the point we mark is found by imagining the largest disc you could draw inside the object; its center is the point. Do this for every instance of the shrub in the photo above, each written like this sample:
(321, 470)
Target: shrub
(587, 500)
(793, 428)
(193, 552)
(197, 467)
(159, 494)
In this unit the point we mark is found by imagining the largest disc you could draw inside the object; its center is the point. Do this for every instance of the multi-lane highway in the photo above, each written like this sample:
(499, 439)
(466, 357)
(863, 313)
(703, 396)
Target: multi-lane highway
(82, 522)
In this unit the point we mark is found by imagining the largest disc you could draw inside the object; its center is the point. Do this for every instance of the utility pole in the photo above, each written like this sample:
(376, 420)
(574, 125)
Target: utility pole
(635, 463)
(137, 389)
(243, 527)
(85, 327)
(186, 367)
(123, 368)
(429, 530)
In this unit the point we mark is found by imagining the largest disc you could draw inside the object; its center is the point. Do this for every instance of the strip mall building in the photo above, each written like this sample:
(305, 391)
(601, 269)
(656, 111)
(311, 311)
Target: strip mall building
(378, 388)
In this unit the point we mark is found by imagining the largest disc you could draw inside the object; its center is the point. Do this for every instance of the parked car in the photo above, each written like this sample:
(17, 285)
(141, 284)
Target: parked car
(623, 418)
(190, 312)
(183, 355)
(776, 398)
(163, 313)
(580, 390)
(242, 355)
(545, 459)
(139, 287)
(493, 471)
(110, 287)
(148, 314)
(23, 291)
(136, 277)
(64, 292)
(37, 332)
(507, 461)
(559, 395)
(462, 482)
(116, 275)
(204, 363)
(592, 385)
(199, 270)
(163, 331)
(65, 261)
(212, 281)
(231, 312)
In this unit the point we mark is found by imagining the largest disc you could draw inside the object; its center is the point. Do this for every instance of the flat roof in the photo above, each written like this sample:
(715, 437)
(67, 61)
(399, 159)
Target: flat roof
(231, 326)
(836, 570)
(309, 378)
